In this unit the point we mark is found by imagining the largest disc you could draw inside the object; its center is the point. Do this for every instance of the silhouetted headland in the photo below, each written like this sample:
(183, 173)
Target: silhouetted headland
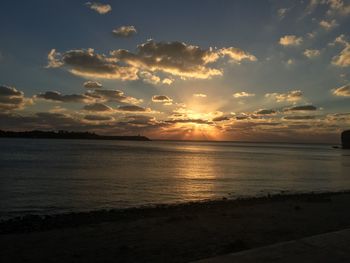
(345, 139)
(67, 135)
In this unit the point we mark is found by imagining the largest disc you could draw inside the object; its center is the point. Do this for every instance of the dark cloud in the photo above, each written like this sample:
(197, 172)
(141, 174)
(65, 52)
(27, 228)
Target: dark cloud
(56, 96)
(11, 98)
(302, 108)
(175, 58)
(299, 117)
(242, 117)
(97, 95)
(161, 98)
(98, 118)
(88, 64)
(131, 108)
(265, 112)
(92, 84)
(112, 95)
(97, 107)
(222, 118)
(178, 58)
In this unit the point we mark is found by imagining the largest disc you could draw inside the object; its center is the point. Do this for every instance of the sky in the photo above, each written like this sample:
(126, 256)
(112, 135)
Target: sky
(182, 70)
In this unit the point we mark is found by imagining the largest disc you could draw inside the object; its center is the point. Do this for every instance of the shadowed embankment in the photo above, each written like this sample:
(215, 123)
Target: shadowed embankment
(172, 233)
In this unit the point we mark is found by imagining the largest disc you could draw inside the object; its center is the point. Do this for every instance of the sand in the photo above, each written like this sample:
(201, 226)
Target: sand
(174, 233)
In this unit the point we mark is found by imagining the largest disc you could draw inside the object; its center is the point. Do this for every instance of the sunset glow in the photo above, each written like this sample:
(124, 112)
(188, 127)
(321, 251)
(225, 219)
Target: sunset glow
(217, 74)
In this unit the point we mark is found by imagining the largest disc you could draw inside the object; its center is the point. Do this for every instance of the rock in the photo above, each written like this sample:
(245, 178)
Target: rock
(345, 139)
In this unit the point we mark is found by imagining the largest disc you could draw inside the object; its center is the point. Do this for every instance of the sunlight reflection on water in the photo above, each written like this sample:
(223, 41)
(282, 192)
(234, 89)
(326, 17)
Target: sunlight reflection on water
(45, 176)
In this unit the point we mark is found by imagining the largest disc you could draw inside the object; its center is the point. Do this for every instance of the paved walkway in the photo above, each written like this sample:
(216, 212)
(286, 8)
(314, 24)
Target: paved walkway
(329, 247)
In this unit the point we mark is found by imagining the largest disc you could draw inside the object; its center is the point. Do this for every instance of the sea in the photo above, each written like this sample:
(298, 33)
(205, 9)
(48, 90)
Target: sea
(49, 176)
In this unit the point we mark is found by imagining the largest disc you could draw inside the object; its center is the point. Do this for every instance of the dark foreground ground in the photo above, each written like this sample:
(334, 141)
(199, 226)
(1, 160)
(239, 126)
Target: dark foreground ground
(177, 233)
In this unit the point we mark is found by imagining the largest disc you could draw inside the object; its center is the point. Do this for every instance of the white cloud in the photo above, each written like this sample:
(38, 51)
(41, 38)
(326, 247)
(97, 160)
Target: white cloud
(149, 77)
(291, 96)
(290, 40)
(200, 95)
(99, 7)
(343, 58)
(328, 25)
(167, 81)
(282, 12)
(125, 31)
(242, 94)
(53, 61)
(311, 53)
(236, 54)
(343, 91)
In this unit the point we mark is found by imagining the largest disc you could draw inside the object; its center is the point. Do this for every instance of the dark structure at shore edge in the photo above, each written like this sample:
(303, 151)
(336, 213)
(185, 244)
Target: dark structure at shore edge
(67, 135)
(345, 139)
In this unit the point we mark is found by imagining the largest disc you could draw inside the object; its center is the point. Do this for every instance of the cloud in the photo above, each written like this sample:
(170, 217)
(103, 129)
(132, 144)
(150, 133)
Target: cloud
(104, 95)
(335, 7)
(291, 96)
(52, 58)
(265, 112)
(178, 58)
(149, 77)
(175, 58)
(237, 54)
(290, 40)
(98, 118)
(197, 121)
(86, 63)
(300, 117)
(100, 8)
(221, 118)
(200, 95)
(343, 58)
(343, 91)
(125, 31)
(92, 85)
(56, 96)
(338, 7)
(302, 108)
(311, 53)
(97, 107)
(161, 98)
(167, 81)
(328, 25)
(290, 62)
(242, 94)
(131, 108)
(282, 12)
(139, 120)
(11, 98)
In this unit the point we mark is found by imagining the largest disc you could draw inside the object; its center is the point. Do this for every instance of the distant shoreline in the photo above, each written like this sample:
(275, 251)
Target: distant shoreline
(173, 233)
(67, 135)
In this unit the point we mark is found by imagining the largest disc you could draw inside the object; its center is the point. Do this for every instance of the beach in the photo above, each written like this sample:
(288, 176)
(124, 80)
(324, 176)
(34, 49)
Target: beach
(172, 233)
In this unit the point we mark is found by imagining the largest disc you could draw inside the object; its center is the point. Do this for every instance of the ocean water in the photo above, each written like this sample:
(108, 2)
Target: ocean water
(41, 176)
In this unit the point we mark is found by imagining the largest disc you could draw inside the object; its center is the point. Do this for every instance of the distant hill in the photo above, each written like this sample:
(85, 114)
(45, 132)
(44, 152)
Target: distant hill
(67, 135)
